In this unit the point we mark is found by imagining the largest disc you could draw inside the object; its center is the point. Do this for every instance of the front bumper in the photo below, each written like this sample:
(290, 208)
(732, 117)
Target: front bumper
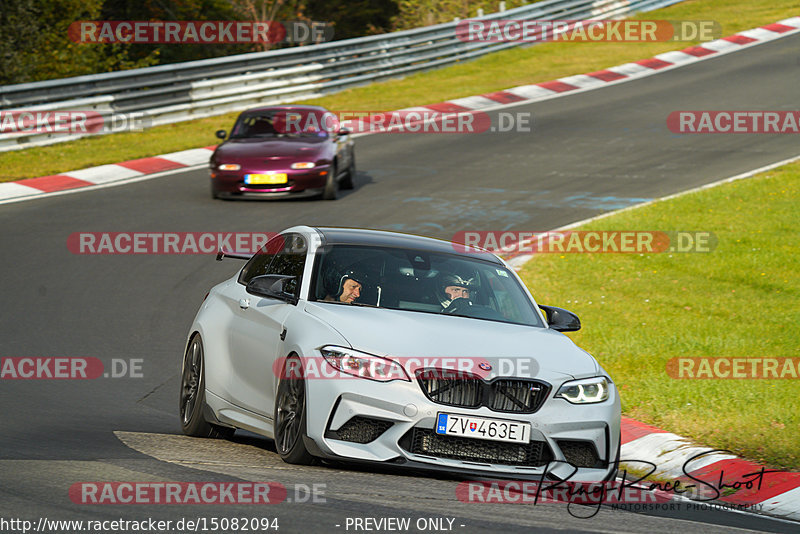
(408, 415)
(299, 183)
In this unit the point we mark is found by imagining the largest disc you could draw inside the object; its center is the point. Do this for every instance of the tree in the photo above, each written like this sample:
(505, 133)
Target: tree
(153, 10)
(354, 18)
(417, 13)
(18, 25)
(34, 44)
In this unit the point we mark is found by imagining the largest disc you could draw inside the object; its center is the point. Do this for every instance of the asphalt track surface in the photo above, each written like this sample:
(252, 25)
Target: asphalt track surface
(587, 154)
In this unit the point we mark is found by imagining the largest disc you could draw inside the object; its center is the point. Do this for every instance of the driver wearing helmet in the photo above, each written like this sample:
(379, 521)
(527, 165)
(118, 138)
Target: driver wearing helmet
(453, 286)
(346, 288)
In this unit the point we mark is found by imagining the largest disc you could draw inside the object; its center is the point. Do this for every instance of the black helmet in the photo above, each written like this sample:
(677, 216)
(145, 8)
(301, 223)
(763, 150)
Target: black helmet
(448, 279)
(335, 278)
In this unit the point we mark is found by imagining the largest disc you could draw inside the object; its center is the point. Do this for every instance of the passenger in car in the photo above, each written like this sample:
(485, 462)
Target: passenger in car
(349, 288)
(452, 286)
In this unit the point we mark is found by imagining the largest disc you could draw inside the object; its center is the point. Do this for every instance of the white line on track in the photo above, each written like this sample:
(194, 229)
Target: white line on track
(518, 261)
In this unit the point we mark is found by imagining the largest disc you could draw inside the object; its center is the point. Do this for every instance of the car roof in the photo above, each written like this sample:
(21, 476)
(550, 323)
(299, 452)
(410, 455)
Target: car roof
(287, 108)
(359, 236)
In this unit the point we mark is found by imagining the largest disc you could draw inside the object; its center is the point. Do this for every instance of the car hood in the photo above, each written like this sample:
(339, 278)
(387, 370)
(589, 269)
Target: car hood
(284, 148)
(509, 349)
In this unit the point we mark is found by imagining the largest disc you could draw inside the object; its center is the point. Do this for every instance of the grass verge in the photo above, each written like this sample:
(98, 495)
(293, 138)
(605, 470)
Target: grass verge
(495, 72)
(739, 301)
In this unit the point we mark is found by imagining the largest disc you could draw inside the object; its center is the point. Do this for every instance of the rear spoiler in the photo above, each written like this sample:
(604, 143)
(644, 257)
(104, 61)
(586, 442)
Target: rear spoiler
(230, 254)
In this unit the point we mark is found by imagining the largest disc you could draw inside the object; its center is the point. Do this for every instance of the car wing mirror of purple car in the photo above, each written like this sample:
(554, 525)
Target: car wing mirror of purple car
(222, 134)
(344, 131)
(272, 286)
(560, 319)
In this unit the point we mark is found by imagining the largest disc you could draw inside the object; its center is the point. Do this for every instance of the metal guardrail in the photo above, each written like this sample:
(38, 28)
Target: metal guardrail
(184, 91)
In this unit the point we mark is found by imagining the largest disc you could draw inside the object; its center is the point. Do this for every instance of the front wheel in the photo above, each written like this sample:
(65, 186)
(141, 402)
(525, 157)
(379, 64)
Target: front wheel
(331, 184)
(348, 182)
(193, 395)
(290, 415)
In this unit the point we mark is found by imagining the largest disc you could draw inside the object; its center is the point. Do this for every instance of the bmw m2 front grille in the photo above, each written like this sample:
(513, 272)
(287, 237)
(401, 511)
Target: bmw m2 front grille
(466, 390)
(426, 442)
(451, 388)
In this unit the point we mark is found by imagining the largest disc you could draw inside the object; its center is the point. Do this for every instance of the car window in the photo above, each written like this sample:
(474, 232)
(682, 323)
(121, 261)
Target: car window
(417, 281)
(290, 262)
(283, 254)
(312, 124)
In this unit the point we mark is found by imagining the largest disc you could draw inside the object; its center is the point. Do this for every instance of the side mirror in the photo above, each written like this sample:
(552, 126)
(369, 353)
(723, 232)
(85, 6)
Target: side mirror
(560, 319)
(271, 286)
(222, 134)
(344, 131)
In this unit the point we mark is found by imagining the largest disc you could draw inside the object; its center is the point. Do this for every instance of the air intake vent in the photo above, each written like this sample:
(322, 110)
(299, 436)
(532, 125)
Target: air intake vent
(427, 442)
(360, 429)
(580, 453)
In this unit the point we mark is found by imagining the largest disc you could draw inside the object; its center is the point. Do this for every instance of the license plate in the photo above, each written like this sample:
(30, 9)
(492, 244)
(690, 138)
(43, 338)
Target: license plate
(265, 178)
(483, 428)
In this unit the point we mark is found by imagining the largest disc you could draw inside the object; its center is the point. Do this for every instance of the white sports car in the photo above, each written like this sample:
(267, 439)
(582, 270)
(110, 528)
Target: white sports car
(374, 346)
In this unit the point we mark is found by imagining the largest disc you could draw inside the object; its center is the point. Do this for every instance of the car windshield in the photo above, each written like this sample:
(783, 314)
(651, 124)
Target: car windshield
(421, 281)
(305, 123)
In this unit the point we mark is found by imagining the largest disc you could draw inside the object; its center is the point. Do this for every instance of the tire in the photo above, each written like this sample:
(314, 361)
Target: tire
(332, 184)
(348, 182)
(193, 395)
(290, 416)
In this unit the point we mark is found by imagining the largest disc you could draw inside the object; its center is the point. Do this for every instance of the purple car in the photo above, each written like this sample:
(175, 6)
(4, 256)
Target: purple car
(283, 151)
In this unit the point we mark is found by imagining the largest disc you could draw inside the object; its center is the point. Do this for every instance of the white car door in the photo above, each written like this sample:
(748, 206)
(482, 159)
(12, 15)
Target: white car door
(256, 331)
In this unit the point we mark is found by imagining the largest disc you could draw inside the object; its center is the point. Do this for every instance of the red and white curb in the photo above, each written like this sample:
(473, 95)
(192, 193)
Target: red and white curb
(127, 171)
(778, 493)
(104, 175)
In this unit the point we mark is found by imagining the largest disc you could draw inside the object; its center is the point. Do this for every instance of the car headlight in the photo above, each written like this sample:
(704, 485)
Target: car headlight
(229, 167)
(586, 391)
(303, 165)
(364, 365)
